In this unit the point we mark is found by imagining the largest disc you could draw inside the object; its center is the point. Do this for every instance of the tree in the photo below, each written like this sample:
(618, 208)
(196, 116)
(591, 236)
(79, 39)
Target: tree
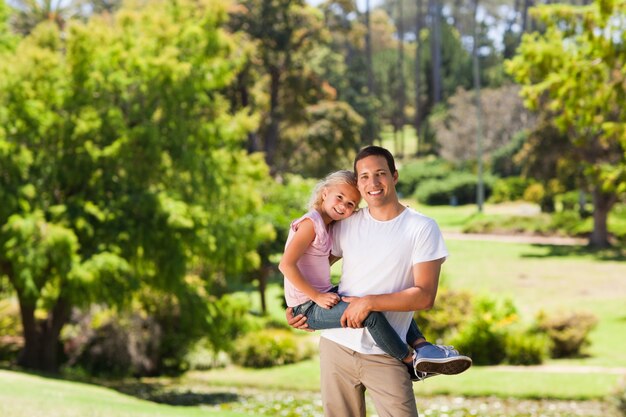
(351, 72)
(573, 75)
(122, 173)
(503, 115)
(284, 32)
(30, 13)
(7, 39)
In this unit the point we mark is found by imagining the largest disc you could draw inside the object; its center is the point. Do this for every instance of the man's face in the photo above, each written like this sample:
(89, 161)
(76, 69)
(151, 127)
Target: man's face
(376, 183)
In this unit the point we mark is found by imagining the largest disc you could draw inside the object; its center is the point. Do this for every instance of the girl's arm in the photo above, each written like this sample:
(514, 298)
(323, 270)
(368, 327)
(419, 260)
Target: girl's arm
(302, 239)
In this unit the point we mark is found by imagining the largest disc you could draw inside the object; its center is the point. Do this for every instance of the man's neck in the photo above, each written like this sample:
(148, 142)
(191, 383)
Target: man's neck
(387, 212)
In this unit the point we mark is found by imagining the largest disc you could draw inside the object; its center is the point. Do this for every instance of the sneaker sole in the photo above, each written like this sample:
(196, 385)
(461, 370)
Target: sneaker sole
(446, 366)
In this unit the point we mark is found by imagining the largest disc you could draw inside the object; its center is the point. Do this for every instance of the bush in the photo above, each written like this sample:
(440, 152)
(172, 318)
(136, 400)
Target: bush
(122, 346)
(456, 188)
(268, 348)
(618, 397)
(526, 348)
(484, 335)
(539, 225)
(534, 193)
(202, 357)
(481, 340)
(508, 189)
(568, 332)
(570, 223)
(451, 310)
(416, 172)
(11, 340)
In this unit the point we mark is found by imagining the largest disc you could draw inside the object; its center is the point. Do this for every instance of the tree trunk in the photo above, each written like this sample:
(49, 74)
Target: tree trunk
(41, 337)
(525, 25)
(244, 97)
(480, 189)
(368, 49)
(263, 278)
(602, 204)
(402, 83)
(418, 64)
(271, 134)
(435, 49)
(369, 130)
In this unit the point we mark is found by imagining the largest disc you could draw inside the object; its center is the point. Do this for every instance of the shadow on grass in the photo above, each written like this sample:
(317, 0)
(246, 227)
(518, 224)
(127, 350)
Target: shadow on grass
(556, 251)
(163, 394)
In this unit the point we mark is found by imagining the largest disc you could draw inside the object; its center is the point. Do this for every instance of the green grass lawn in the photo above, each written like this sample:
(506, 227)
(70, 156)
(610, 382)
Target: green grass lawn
(535, 277)
(24, 395)
(478, 381)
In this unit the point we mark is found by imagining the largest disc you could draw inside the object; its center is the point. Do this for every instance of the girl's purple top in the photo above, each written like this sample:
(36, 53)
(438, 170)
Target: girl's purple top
(314, 263)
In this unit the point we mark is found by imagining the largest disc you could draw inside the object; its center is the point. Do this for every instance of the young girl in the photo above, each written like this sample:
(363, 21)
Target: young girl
(305, 265)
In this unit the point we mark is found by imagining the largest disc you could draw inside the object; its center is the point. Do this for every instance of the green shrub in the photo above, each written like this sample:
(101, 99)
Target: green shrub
(125, 345)
(618, 397)
(524, 347)
(483, 336)
(451, 310)
(568, 332)
(508, 189)
(270, 347)
(202, 357)
(570, 223)
(11, 340)
(414, 173)
(456, 188)
(534, 193)
(539, 225)
(482, 341)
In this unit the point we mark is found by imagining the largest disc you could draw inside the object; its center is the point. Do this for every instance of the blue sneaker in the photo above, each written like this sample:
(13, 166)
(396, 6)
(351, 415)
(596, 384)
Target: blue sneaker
(439, 359)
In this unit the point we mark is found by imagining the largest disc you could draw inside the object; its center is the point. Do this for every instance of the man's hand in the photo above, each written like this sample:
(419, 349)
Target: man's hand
(297, 322)
(356, 312)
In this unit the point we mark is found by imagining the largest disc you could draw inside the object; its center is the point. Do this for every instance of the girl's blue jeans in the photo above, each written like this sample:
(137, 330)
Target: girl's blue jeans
(384, 335)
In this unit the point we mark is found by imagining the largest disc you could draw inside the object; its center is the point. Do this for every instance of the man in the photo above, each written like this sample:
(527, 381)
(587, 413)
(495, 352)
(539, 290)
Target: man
(392, 259)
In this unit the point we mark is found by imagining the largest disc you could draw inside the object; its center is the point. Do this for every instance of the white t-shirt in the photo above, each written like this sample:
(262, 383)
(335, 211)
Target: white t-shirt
(378, 257)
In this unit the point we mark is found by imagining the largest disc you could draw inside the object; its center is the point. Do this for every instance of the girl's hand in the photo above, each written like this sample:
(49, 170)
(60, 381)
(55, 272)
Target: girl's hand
(326, 299)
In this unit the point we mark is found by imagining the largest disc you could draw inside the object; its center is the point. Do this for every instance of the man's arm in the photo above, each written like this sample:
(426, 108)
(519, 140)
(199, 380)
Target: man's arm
(419, 297)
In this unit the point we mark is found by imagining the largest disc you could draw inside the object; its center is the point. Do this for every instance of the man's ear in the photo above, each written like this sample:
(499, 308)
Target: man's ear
(395, 176)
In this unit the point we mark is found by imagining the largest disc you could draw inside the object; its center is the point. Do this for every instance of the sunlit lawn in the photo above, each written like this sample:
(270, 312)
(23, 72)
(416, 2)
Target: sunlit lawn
(478, 381)
(23, 395)
(536, 277)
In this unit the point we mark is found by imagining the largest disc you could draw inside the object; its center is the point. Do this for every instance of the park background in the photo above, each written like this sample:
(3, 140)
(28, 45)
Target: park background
(153, 153)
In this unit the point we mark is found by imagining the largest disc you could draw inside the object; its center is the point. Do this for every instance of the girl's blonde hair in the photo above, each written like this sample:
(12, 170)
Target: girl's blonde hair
(334, 178)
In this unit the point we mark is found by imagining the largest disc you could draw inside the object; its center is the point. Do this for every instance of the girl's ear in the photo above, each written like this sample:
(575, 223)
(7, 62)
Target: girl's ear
(324, 193)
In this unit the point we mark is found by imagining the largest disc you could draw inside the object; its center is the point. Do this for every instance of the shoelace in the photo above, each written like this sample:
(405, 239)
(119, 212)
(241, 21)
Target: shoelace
(449, 349)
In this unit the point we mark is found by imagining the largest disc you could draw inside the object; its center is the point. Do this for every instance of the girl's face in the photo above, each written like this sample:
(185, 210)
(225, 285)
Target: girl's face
(339, 202)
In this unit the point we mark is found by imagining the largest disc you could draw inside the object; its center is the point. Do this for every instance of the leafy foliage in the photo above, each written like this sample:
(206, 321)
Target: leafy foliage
(569, 332)
(503, 116)
(412, 174)
(457, 188)
(122, 171)
(269, 348)
(573, 74)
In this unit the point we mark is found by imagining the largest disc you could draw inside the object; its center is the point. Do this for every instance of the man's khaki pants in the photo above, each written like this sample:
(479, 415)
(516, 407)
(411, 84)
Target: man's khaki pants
(346, 374)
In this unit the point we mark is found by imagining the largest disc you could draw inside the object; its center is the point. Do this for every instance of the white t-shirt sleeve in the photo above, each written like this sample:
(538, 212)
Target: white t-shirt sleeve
(335, 234)
(429, 244)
